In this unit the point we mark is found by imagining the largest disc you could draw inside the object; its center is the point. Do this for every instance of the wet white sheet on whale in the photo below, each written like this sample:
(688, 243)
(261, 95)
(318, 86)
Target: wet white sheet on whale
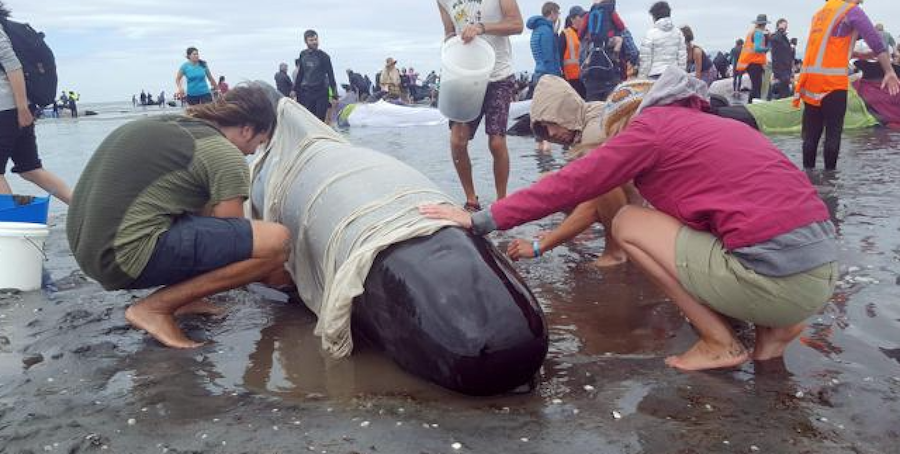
(343, 205)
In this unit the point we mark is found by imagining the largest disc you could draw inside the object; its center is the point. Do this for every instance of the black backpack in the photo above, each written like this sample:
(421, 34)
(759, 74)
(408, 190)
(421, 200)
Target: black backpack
(37, 60)
(721, 64)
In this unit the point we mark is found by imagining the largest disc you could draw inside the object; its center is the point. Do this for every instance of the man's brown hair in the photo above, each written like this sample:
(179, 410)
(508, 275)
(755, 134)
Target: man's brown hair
(549, 8)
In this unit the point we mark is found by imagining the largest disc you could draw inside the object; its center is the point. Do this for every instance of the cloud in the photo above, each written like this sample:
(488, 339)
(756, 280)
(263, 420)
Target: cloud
(110, 49)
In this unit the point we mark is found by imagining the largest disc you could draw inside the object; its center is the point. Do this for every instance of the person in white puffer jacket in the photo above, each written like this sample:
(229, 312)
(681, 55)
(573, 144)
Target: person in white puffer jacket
(664, 44)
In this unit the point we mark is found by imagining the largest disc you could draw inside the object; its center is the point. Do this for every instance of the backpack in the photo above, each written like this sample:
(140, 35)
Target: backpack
(721, 64)
(597, 33)
(38, 63)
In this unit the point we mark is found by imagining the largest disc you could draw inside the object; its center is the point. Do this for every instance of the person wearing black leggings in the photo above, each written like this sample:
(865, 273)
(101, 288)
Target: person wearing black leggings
(756, 72)
(824, 73)
(829, 117)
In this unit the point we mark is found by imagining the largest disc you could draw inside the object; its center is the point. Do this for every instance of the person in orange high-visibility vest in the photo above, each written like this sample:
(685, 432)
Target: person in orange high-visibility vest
(824, 79)
(570, 49)
(753, 57)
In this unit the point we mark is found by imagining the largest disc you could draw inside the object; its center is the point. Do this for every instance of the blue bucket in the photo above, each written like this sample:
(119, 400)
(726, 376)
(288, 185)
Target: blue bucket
(34, 212)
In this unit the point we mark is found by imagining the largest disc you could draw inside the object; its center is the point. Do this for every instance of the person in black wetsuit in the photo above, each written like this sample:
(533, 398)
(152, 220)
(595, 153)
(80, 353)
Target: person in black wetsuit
(782, 62)
(283, 82)
(358, 84)
(315, 76)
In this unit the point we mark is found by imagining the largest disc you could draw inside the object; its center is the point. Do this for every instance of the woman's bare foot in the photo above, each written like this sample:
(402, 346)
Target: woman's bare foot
(607, 260)
(704, 356)
(772, 342)
(200, 307)
(161, 326)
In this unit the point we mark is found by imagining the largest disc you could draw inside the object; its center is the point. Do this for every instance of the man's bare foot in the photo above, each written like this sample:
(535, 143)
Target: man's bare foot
(200, 307)
(704, 356)
(607, 260)
(772, 342)
(161, 326)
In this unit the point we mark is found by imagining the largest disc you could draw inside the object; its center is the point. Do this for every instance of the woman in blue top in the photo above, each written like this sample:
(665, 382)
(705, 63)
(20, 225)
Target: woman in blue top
(197, 73)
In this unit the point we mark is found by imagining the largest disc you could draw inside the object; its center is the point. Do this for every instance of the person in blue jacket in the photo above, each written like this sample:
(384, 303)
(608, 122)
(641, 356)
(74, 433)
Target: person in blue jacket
(545, 51)
(543, 42)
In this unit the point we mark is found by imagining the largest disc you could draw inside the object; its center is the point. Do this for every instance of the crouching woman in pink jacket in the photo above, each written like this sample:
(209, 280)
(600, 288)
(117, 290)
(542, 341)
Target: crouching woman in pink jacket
(737, 229)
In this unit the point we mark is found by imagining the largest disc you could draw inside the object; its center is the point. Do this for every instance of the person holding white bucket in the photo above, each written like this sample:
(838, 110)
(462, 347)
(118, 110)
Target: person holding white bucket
(493, 21)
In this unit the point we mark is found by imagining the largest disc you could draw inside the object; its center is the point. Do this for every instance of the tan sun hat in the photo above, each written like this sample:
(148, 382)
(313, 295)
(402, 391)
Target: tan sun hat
(622, 103)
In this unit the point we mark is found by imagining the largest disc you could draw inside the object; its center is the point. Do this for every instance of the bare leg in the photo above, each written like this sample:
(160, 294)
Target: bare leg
(50, 183)
(204, 306)
(497, 144)
(4, 186)
(579, 220)
(772, 342)
(607, 206)
(459, 147)
(155, 313)
(201, 306)
(649, 236)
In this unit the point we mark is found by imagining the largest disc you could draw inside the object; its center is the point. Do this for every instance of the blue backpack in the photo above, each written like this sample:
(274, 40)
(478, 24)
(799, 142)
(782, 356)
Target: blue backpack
(599, 30)
(599, 21)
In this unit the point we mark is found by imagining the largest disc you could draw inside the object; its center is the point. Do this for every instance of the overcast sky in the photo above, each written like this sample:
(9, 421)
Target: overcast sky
(110, 49)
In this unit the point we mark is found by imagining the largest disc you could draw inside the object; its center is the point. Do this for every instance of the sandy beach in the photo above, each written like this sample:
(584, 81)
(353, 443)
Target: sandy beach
(75, 378)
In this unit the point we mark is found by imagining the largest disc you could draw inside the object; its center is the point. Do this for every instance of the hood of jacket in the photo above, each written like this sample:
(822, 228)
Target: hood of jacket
(555, 101)
(665, 24)
(539, 21)
(677, 86)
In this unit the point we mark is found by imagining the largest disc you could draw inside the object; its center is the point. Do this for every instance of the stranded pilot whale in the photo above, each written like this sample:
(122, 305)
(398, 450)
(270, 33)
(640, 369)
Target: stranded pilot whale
(444, 304)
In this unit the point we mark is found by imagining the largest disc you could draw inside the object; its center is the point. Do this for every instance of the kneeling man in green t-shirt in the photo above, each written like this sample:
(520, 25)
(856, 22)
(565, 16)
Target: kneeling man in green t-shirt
(160, 203)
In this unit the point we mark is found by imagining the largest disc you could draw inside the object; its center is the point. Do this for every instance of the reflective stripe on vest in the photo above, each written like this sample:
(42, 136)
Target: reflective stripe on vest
(827, 57)
(749, 56)
(804, 93)
(571, 62)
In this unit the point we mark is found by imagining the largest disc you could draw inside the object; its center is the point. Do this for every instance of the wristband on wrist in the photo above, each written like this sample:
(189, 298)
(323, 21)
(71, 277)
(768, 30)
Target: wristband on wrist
(536, 247)
(481, 27)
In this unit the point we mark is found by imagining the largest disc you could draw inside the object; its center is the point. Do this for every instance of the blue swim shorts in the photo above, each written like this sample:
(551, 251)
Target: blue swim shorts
(196, 245)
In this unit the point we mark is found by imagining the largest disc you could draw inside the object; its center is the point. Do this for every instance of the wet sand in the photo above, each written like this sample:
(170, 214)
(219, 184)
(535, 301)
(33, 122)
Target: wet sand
(74, 377)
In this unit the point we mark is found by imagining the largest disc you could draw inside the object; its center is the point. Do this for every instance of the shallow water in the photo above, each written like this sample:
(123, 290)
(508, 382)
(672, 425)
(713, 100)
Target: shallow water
(603, 388)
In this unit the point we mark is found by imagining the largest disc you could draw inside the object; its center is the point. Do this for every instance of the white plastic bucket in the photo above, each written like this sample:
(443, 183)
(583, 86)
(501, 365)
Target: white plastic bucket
(465, 69)
(22, 255)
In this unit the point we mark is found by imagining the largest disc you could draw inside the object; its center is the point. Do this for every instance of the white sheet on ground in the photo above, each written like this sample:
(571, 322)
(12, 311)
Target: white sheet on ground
(343, 205)
(519, 108)
(386, 115)
(383, 114)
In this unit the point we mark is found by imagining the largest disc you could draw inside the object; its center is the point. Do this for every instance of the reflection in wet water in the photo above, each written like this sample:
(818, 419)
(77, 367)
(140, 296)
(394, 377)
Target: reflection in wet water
(288, 361)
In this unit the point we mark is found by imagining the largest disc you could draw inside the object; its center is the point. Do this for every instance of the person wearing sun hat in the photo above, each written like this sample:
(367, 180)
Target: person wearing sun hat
(753, 57)
(390, 79)
(559, 115)
(736, 230)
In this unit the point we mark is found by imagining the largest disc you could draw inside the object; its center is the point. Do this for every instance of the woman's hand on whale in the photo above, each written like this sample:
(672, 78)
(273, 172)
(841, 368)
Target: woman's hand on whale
(450, 213)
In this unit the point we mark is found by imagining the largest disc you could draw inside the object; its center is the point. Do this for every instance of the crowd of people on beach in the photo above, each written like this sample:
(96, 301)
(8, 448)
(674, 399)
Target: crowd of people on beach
(707, 207)
(146, 99)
